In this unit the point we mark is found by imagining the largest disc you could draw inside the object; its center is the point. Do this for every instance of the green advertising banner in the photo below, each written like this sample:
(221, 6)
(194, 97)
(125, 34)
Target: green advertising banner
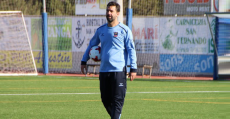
(59, 34)
(36, 33)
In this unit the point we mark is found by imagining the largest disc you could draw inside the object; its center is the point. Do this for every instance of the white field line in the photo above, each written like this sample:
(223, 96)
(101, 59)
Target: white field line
(54, 94)
(170, 92)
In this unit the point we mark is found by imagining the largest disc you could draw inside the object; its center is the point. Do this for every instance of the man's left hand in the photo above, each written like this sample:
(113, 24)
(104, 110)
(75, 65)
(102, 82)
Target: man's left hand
(132, 75)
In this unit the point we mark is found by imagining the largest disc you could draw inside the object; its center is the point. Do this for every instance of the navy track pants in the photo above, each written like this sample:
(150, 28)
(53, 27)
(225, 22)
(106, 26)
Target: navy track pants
(113, 89)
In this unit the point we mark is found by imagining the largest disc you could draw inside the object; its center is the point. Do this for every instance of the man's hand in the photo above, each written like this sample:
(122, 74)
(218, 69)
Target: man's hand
(132, 75)
(83, 69)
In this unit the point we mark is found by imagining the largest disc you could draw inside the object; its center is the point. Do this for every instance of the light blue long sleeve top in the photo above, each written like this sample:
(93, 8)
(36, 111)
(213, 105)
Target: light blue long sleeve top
(116, 46)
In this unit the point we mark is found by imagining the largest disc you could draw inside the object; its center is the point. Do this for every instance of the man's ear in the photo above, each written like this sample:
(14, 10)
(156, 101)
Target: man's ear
(118, 13)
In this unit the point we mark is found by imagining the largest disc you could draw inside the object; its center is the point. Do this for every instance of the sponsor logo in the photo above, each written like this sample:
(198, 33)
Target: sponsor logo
(121, 84)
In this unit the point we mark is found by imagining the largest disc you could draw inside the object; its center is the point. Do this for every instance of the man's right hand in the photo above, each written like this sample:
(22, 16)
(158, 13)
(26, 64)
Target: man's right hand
(83, 69)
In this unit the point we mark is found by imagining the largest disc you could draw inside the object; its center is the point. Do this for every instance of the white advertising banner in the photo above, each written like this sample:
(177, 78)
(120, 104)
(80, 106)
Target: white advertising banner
(91, 7)
(224, 5)
(186, 35)
(146, 34)
(215, 6)
(83, 29)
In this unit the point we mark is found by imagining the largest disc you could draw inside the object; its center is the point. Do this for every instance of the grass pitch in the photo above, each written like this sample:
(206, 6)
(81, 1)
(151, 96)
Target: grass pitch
(59, 97)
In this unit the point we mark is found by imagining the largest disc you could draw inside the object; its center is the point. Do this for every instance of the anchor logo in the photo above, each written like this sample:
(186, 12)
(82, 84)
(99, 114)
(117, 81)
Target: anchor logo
(77, 40)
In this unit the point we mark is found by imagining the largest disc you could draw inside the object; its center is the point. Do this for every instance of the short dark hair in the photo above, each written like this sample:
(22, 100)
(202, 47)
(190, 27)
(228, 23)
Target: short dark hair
(112, 3)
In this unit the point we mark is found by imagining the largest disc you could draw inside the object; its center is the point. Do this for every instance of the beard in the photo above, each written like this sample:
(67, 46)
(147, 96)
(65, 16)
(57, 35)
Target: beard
(110, 19)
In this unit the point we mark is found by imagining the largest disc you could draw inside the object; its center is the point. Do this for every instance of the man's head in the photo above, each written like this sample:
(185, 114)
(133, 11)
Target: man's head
(112, 11)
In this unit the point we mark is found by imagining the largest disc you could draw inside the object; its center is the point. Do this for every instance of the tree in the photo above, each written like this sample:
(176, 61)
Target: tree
(67, 7)
(28, 7)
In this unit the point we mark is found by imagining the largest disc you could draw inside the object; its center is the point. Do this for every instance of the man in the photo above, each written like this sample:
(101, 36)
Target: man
(116, 46)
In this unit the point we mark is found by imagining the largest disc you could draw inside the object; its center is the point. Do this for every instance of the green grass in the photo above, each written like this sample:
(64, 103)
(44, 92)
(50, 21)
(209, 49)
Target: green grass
(57, 97)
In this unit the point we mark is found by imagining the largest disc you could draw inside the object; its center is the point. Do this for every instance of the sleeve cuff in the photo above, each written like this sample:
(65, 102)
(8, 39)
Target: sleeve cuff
(133, 70)
(83, 63)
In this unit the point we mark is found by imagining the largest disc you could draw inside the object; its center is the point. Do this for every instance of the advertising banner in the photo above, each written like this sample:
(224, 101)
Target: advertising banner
(146, 34)
(36, 33)
(186, 63)
(15, 59)
(91, 7)
(59, 34)
(215, 6)
(28, 26)
(83, 29)
(57, 60)
(186, 7)
(224, 6)
(186, 35)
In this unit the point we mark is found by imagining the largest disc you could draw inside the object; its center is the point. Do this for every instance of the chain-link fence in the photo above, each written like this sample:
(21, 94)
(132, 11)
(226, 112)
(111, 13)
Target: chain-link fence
(172, 36)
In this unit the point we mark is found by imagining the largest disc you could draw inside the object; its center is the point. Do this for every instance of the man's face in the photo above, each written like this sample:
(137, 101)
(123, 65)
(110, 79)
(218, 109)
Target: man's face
(111, 13)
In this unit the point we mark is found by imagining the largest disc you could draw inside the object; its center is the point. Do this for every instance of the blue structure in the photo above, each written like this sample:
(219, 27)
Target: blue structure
(129, 15)
(45, 43)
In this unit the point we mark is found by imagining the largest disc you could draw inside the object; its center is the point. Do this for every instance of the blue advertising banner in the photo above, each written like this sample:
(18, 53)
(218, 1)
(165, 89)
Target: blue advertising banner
(186, 63)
